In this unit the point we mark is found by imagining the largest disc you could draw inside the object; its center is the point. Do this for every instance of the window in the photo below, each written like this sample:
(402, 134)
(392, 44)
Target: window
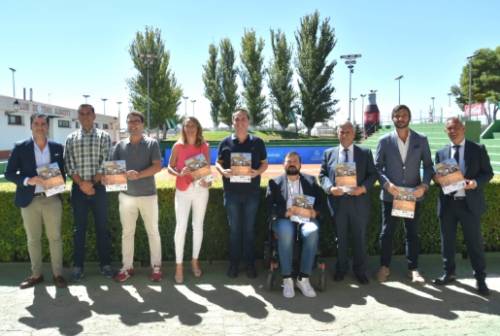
(96, 125)
(105, 126)
(63, 124)
(77, 124)
(15, 120)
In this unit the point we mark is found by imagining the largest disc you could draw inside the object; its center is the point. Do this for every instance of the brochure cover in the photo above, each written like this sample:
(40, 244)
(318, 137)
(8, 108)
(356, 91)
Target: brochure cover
(241, 167)
(116, 175)
(54, 182)
(345, 176)
(450, 176)
(403, 205)
(301, 206)
(200, 169)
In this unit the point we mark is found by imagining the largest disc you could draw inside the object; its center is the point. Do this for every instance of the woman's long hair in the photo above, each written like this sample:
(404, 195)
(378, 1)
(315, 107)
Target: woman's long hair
(199, 132)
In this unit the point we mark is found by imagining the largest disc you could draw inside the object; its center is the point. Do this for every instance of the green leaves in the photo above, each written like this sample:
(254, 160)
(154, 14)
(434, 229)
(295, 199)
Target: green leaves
(227, 79)
(212, 87)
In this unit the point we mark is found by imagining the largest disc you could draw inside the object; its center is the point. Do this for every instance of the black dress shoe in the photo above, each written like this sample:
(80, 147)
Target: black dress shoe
(362, 279)
(444, 279)
(30, 282)
(232, 271)
(60, 282)
(482, 288)
(251, 272)
(339, 276)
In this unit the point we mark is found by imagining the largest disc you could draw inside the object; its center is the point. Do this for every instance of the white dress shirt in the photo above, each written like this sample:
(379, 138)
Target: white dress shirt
(403, 146)
(42, 158)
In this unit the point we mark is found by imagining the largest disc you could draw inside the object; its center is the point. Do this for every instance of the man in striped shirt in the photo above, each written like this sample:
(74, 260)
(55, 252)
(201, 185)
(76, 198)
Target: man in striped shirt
(84, 154)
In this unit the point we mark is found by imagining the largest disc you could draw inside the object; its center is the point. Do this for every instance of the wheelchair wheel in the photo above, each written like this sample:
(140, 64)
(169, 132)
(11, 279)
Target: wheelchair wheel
(271, 280)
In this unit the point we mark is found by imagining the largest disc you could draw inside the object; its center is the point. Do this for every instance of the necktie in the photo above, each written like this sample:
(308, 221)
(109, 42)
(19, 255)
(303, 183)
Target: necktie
(456, 156)
(346, 155)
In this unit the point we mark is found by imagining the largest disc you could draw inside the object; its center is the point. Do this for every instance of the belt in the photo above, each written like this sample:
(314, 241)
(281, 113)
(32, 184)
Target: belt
(457, 198)
(39, 194)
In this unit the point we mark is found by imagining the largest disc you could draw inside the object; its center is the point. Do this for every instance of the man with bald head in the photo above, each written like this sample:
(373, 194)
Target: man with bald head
(350, 207)
(465, 206)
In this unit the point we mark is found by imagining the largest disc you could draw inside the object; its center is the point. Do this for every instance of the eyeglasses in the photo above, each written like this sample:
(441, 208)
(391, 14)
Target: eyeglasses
(134, 121)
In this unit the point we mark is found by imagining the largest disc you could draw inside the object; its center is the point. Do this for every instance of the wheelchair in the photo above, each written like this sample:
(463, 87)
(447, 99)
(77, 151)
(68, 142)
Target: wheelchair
(318, 277)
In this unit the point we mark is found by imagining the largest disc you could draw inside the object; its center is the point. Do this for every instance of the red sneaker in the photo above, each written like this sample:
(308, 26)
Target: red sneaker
(124, 274)
(156, 274)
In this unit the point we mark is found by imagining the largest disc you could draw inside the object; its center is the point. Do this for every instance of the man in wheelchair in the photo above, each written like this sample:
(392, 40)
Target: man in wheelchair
(294, 203)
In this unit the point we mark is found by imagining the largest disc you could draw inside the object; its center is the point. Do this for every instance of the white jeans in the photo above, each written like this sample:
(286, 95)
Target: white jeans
(130, 207)
(196, 197)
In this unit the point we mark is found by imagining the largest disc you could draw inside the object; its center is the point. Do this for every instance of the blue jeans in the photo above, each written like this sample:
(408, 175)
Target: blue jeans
(241, 211)
(98, 204)
(285, 230)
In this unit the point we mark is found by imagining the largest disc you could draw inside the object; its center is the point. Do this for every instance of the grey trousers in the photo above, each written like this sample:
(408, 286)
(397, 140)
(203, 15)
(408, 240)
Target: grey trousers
(44, 211)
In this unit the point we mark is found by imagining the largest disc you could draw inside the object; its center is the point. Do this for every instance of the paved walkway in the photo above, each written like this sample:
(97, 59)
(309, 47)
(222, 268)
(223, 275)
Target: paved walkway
(216, 305)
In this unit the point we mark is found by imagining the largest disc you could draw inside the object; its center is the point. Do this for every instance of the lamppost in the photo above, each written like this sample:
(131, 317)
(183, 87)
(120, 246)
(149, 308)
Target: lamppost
(470, 85)
(148, 60)
(104, 104)
(350, 60)
(362, 110)
(119, 103)
(185, 105)
(13, 82)
(354, 111)
(193, 101)
(433, 111)
(449, 99)
(399, 88)
(86, 96)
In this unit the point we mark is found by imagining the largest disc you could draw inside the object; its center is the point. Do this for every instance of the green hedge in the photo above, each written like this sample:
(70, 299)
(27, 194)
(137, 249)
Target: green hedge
(13, 241)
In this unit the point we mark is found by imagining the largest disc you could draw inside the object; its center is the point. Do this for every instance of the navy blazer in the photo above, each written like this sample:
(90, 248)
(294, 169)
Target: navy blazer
(391, 167)
(276, 195)
(22, 164)
(366, 175)
(477, 167)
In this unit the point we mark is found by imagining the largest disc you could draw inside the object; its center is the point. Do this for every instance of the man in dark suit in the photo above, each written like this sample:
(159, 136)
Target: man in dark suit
(350, 207)
(280, 195)
(465, 206)
(398, 159)
(38, 210)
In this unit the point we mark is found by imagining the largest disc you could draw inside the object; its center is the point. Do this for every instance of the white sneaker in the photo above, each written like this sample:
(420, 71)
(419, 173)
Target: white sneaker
(288, 290)
(305, 287)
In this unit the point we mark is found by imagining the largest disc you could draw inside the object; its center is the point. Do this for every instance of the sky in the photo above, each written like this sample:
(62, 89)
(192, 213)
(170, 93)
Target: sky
(64, 49)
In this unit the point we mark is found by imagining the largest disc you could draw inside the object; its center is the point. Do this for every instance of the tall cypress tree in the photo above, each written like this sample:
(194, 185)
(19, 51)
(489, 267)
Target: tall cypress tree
(212, 85)
(227, 78)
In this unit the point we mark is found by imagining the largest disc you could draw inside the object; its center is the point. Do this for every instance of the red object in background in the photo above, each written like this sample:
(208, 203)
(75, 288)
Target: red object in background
(476, 109)
(371, 114)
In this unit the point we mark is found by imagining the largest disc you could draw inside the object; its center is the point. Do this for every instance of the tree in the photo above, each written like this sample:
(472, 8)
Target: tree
(252, 74)
(280, 81)
(485, 75)
(227, 79)
(148, 50)
(212, 85)
(314, 71)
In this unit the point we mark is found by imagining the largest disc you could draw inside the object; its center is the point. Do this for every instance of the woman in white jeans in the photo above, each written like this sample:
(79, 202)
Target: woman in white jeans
(189, 193)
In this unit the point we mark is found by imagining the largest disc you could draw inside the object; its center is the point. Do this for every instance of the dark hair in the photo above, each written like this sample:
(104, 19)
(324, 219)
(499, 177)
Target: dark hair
(238, 110)
(39, 115)
(82, 106)
(136, 114)
(398, 108)
(293, 153)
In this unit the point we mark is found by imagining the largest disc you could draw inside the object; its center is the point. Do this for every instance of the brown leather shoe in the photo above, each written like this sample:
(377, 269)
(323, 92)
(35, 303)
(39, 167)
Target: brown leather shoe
(30, 282)
(60, 282)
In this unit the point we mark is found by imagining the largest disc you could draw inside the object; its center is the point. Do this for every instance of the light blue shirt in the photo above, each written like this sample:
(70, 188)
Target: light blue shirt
(42, 158)
(350, 153)
(461, 164)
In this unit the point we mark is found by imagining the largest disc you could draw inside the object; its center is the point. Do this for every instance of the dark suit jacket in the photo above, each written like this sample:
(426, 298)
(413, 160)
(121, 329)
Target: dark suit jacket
(277, 191)
(366, 175)
(477, 167)
(403, 174)
(22, 164)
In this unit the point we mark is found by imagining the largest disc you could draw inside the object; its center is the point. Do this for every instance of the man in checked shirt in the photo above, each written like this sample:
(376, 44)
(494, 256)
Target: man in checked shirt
(84, 154)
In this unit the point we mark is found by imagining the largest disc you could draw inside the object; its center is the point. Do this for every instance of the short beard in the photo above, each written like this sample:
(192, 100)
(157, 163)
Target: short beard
(292, 171)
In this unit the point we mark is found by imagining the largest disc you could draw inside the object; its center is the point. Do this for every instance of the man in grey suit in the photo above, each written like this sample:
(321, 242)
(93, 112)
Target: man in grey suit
(465, 206)
(398, 160)
(350, 208)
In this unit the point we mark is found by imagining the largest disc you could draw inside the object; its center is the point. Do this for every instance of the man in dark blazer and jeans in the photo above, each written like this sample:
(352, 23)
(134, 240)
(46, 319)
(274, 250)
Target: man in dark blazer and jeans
(350, 210)
(465, 206)
(400, 155)
(38, 210)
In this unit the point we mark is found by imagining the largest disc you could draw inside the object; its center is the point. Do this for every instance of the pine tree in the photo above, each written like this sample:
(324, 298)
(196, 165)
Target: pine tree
(227, 79)
(212, 85)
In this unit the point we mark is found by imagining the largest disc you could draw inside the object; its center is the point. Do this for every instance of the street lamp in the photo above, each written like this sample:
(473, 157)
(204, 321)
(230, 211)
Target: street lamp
(449, 99)
(13, 82)
(362, 109)
(104, 104)
(148, 60)
(193, 101)
(354, 110)
(86, 96)
(433, 111)
(119, 103)
(350, 60)
(185, 105)
(470, 84)
(399, 88)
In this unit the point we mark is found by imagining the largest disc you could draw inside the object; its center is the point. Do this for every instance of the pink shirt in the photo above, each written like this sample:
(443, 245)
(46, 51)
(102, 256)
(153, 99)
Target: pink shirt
(185, 152)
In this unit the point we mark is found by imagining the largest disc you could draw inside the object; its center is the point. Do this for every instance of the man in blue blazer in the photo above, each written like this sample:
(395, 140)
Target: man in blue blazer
(399, 158)
(465, 206)
(37, 210)
(280, 193)
(350, 210)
